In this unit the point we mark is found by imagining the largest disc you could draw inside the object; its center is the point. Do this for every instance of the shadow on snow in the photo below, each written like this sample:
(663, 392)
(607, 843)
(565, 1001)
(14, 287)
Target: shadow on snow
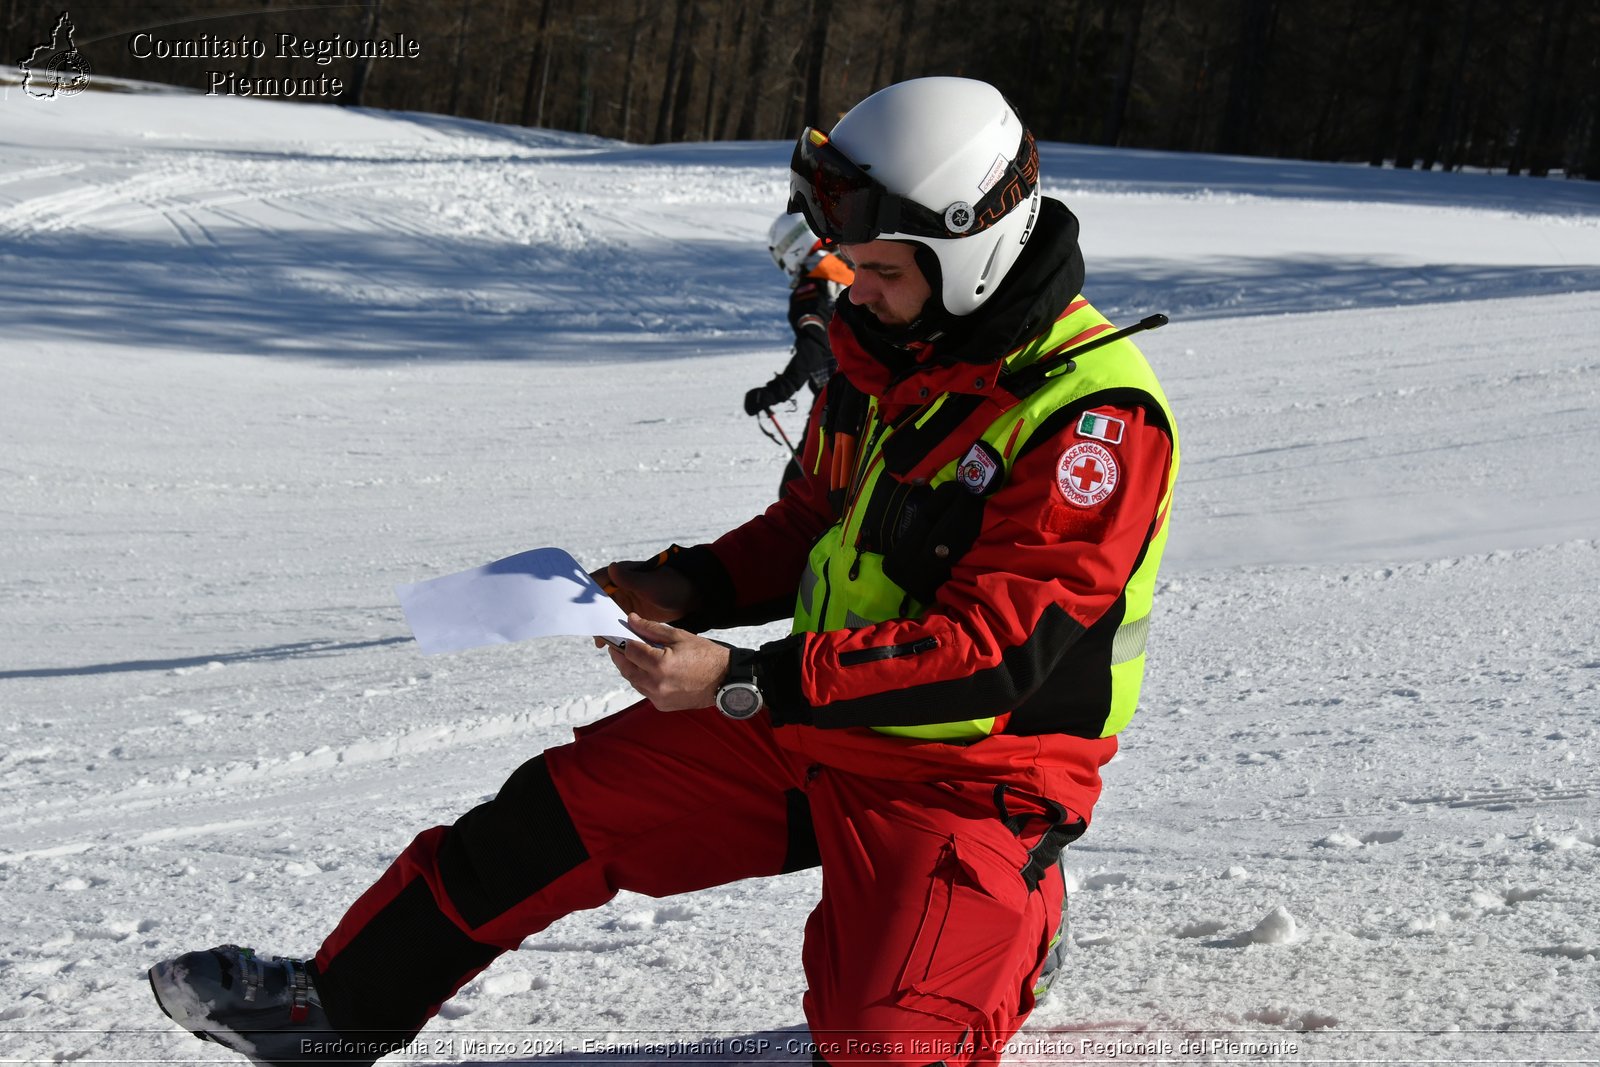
(367, 297)
(296, 650)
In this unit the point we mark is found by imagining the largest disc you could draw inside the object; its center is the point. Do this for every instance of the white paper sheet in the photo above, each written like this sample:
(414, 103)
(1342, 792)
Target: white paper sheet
(542, 593)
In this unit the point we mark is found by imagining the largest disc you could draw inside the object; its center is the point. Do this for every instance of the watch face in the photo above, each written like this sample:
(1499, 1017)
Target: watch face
(738, 700)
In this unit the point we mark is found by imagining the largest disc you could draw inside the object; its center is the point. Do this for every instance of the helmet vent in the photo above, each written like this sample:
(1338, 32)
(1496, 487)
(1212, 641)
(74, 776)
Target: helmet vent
(983, 278)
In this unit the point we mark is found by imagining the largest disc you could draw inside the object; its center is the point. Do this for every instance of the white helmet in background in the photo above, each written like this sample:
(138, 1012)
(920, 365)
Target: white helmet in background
(942, 162)
(790, 241)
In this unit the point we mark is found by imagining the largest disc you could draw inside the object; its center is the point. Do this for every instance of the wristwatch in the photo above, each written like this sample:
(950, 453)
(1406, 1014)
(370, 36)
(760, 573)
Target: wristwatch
(740, 697)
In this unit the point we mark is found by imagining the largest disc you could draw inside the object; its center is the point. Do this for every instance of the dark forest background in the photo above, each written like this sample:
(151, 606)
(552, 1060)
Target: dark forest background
(1508, 85)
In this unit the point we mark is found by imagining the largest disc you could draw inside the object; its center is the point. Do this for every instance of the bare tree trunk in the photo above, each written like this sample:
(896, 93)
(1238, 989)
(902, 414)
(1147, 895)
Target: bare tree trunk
(454, 107)
(836, 85)
(588, 41)
(1552, 113)
(363, 67)
(879, 56)
(249, 68)
(538, 64)
(1111, 132)
(1029, 96)
(669, 85)
(707, 128)
(724, 117)
(821, 12)
(790, 123)
(1589, 150)
(685, 92)
(544, 87)
(642, 11)
(1383, 140)
(1405, 153)
(1238, 133)
(1538, 81)
(1191, 119)
(8, 26)
(1445, 145)
(1334, 98)
(502, 64)
(1476, 144)
(908, 13)
(1068, 103)
(791, 120)
(758, 74)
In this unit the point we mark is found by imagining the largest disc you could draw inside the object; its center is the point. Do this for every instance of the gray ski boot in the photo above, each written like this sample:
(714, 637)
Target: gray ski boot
(266, 1009)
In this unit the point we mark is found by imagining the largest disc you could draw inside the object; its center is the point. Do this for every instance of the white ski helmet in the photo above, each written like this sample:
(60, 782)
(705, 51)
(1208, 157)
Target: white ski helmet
(790, 241)
(942, 162)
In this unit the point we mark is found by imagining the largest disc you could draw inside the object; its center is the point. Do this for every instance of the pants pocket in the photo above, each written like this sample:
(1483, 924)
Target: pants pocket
(977, 941)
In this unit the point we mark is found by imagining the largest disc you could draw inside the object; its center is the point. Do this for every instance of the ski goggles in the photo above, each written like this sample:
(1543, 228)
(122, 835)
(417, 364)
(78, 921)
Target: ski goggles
(843, 203)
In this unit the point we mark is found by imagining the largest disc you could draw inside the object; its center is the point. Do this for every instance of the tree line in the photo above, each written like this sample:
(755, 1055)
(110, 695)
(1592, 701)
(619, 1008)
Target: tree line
(1505, 85)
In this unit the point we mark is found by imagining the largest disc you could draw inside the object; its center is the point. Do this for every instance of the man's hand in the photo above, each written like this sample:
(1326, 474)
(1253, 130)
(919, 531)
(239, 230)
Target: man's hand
(659, 593)
(683, 673)
(758, 399)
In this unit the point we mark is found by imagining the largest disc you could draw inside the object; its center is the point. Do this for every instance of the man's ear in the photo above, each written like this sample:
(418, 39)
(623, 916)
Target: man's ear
(928, 264)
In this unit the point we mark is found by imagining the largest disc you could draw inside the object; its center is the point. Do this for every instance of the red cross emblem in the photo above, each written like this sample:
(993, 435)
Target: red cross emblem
(1086, 474)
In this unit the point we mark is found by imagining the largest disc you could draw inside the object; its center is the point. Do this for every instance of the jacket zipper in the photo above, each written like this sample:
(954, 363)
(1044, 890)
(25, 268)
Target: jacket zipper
(882, 652)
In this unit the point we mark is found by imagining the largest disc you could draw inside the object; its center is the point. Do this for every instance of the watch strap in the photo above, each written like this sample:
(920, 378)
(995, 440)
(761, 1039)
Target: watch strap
(742, 666)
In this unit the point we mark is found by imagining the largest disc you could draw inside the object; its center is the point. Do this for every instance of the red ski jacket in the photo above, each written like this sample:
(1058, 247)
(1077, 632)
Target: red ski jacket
(1045, 564)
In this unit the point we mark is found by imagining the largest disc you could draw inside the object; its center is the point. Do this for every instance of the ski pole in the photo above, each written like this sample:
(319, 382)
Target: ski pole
(1149, 322)
(769, 435)
(779, 427)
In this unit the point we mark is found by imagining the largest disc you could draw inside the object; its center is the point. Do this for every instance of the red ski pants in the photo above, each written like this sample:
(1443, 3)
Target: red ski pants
(923, 947)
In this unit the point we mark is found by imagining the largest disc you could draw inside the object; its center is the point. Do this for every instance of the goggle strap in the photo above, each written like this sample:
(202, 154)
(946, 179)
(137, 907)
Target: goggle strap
(890, 213)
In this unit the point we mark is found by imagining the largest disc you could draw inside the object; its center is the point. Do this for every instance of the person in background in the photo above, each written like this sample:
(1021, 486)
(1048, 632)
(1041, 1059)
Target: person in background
(816, 277)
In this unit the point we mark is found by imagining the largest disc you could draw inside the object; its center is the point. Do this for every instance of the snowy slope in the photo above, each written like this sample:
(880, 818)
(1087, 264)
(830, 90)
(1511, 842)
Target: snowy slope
(263, 362)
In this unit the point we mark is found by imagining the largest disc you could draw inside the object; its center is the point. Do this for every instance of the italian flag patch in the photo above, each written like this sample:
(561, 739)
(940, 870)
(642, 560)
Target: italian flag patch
(1101, 428)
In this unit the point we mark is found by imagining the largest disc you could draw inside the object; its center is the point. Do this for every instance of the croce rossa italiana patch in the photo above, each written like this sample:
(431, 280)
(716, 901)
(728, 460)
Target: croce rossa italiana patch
(1087, 474)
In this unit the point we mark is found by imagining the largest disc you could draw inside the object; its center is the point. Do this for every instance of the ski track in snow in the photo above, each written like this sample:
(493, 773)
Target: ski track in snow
(264, 362)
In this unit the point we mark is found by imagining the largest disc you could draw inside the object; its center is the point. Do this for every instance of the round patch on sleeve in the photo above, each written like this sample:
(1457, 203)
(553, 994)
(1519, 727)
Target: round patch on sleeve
(1086, 474)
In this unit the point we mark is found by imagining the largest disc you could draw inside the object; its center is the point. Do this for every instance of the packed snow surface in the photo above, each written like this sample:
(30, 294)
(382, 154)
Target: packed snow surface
(263, 362)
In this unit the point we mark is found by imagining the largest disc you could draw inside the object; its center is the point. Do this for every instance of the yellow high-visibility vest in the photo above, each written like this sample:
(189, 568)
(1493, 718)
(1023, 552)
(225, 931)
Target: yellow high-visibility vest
(845, 587)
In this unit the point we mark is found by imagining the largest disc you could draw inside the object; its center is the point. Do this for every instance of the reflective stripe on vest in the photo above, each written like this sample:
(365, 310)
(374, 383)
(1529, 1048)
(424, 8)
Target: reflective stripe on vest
(845, 587)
